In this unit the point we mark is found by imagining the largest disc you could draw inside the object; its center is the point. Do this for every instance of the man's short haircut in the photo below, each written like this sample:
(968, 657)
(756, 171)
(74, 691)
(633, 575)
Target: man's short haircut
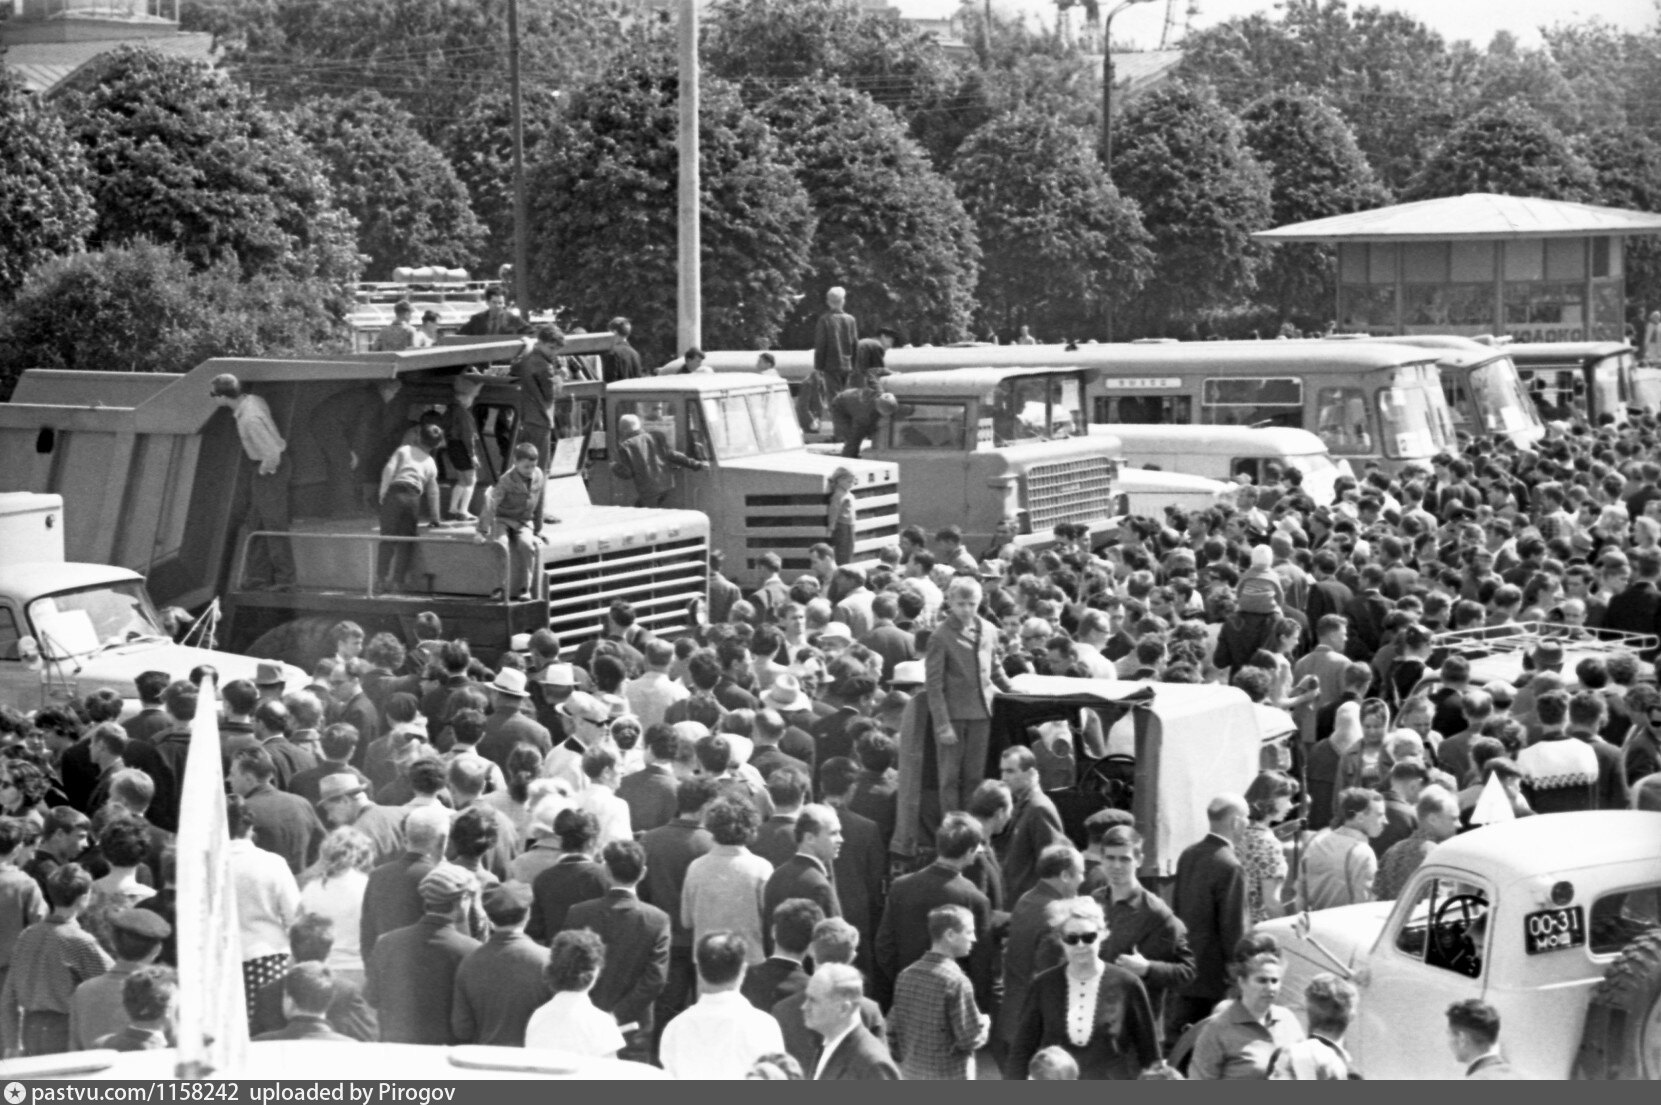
(149, 992)
(958, 835)
(949, 918)
(577, 830)
(1353, 801)
(720, 958)
(1059, 859)
(1477, 1019)
(732, 820)
(339, 740)
(1552, 708)
(428, 775)
(575, 959)
(256, 762)
(814, 820)
(311, 938)
(625, 861)
(1021, 755)
(425, 827)
(1330, 622)
(310, 986)
(109, 737)
(837, 776)
(794, 921)
(151, 685)
(1330, 1002)
(846, 983)
(788, 787)
(990, 799)
(241, 696)
(834, 941)
(1121, 836)
(692, 795)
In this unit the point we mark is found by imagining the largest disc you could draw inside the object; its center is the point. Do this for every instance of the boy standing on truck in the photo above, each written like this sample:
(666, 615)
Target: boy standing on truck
(262, 502)
(512, 516)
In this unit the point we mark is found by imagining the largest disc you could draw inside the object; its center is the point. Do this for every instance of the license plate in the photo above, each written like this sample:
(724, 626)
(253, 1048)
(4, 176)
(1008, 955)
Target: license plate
(1553, 930)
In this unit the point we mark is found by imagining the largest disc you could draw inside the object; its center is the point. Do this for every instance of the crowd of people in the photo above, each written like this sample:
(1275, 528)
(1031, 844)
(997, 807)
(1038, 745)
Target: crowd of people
(788, 845)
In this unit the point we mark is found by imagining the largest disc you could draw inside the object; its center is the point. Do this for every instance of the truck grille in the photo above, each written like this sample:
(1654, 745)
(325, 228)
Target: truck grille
(790, 525)
(1068, 491)
(659, 580)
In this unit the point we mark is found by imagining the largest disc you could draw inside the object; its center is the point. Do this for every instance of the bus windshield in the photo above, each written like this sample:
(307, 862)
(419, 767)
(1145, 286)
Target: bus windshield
(1414, 415)
(1500, 400)
(1037, 408)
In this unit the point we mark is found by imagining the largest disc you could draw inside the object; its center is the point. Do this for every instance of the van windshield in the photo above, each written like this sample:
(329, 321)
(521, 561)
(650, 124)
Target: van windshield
(1037, 408)
(75, 623)
(748, 424)
(1415, 419)
(1500, 400)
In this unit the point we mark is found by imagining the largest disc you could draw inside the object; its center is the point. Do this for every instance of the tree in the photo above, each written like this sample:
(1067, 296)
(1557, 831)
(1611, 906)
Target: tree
(45, 208)
(182, 156)
(603, 212)
(480, 149)
(433, 56)
(1059, 243)
(890, 229)
(1628, 168)
(410, 206)
(1315, 170)
(1508, 149)
(1202, 195)
(145, 308)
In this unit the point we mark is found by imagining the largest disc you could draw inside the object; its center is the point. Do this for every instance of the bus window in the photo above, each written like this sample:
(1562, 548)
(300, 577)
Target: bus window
(1342, 421)
(1413, 421)
(1555, 392)
(1252, 401)
(1499, 399)
(929, 426)
(1144, 410)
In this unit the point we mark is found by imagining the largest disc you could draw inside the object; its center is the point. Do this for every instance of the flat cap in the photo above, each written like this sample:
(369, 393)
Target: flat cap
(445, 883)
(507, 895)
(142, 922)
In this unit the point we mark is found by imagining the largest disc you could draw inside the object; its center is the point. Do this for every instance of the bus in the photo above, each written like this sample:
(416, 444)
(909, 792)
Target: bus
(1594, 377)
(1482, 386)
(1365, 400)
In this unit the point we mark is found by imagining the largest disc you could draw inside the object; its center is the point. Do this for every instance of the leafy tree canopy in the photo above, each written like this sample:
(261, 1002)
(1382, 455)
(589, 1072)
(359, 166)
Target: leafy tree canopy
(1181, 157)
(1059, 242)
(890, 229)
(410, 206)
(180, 155)
(480, 148)
(1628, 168)
(45, 207)
(1509, 149)
(603, 212)
(143, 307)
(1315, 170)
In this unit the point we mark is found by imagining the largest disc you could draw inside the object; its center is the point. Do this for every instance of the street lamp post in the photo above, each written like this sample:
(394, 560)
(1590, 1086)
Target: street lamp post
(689, 311)
(1107, 79)
(521, 270)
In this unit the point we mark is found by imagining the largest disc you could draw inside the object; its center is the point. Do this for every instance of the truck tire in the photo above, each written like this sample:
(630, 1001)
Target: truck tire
(1622, 1038)
(301, 642)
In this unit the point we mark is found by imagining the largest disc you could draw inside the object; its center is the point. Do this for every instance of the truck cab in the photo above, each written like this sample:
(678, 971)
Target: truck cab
(762, 490)
(1530, 915)
(68, 629)
(981, 445)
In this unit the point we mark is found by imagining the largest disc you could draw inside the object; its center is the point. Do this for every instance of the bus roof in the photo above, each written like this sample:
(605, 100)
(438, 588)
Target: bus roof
(967, 381)
(1564, 352)
(1452, 350)
(696, 383)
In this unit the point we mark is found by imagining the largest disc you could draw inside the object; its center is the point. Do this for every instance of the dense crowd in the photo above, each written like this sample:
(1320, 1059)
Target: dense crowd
(786, 845)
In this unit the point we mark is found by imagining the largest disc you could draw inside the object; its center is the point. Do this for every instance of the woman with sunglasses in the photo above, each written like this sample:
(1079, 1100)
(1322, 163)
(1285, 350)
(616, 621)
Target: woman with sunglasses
(1097, 1013)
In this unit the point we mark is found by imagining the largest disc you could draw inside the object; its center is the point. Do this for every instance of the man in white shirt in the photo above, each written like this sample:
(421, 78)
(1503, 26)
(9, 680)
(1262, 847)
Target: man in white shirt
(654, 692)
(600, 798)
(262, 502)
(1094, 630)
(722, 1035)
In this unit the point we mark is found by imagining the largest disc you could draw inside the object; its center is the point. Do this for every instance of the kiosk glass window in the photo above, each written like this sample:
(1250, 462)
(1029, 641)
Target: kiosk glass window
(1252, 401)
(1370, 307)
(929, 426)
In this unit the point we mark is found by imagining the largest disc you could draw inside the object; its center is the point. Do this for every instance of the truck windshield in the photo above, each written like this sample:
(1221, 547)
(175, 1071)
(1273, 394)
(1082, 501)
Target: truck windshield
(1414, 417)
(752, 423)
(1037, 408)
(75, 623)
(1498, 397)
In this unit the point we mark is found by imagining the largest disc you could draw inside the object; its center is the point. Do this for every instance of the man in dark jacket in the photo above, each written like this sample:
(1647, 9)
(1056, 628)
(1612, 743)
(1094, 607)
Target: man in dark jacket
(392, 898)
(670, 850)
(645, 458)
(501, 984)
(832, 1011)
(636, 936)
(308, 993)
(623, 361)
(1210, 899)
(283, 823)
(781, 974)
(412, 971)
(310, 940)
(808, 873)
(903, 936)
(1638, 608)
(573, 878)
(1034, 825)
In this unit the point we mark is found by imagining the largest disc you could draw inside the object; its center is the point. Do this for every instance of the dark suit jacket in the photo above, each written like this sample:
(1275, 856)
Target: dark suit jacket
(392, 899)
(305, 1027)
(1636, 609)
(876, 797)
(803, 1043)
(771, 981)
(504, 730)
(1125, 1040)
(1028, 928)
(799, 877)
(570, 880)
(498, 987)
(148, 724)
(412, 978)
(860, 1057)
(644, 459)
(670, 850)
(903, 936)
(861, 868)
(650, 794)
(1327, 596)
(349, 1015)
(636, 936)
(1035, 826)
(1210, 899)
(285, 824)
(776, 839)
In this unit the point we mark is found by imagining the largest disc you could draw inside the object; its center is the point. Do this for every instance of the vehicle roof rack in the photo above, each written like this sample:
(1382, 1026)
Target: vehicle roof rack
(1526, 636)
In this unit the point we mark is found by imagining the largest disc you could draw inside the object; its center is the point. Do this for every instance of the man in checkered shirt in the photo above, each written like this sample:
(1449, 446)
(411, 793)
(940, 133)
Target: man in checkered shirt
(934, 1027)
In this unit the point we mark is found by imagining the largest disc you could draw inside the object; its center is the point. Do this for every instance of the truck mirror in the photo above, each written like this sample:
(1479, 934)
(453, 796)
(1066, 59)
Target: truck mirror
(46, 440)
(28, 650)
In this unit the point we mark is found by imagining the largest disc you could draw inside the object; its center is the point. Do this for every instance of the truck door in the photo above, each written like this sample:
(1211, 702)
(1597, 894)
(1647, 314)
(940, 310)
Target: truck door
(19, 683)
(1432, 953)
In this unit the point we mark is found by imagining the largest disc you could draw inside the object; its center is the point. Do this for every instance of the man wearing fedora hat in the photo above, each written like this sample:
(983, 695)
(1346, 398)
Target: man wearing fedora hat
(509, 725)
(343, 800)
(268, 678)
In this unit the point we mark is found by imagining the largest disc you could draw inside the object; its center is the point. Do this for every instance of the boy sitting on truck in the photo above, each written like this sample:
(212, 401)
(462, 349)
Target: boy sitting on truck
(512, 516)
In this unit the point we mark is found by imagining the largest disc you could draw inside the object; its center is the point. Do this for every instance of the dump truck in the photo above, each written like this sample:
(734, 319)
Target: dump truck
(68, 629)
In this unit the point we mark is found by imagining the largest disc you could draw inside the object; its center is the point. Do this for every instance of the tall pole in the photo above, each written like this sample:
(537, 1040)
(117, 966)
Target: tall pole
(1107, 79)
(689, 315)
(521, 275)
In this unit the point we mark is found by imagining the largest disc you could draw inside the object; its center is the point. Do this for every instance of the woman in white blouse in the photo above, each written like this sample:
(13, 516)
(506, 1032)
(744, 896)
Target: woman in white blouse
(1094, 1011)
(570, 1022)
(335, 890)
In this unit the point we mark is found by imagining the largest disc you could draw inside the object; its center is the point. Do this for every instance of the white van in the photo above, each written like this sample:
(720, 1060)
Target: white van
(1147, 493)
(1223, 452)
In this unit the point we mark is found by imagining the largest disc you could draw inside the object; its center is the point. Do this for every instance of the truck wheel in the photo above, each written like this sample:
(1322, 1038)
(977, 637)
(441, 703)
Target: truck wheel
(301, 642)
(1622, 1038)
